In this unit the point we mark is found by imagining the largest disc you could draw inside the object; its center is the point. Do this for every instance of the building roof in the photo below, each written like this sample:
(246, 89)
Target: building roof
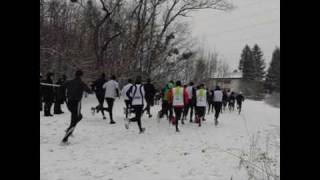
(233, 75)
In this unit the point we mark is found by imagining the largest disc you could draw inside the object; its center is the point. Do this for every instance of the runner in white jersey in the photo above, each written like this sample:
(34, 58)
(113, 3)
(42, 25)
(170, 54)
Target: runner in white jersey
(136, 95)
(201, 98)
(112, 91)
(125, 97)
(217, 100)
(191, 102)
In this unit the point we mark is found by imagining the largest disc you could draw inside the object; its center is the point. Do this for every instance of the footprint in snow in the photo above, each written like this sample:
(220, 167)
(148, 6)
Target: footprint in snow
(137, 161)
(186, 153)
(99, 176)
(271, 125)
(215, 173)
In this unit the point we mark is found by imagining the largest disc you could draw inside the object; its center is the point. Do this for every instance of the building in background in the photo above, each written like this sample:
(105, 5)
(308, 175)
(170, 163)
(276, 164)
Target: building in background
(229, 81)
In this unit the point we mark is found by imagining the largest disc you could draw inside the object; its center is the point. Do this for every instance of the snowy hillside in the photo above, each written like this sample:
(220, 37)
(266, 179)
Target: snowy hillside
(103, 151)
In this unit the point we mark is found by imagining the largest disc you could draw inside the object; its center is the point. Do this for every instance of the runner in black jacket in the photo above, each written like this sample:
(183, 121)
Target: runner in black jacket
(75, 89)
(60, 95)
(150, 92)
(100, 92)
(48, 94)
(232, 100)
(239, 99)
(210, 100)
(41, 105)
(224, 99)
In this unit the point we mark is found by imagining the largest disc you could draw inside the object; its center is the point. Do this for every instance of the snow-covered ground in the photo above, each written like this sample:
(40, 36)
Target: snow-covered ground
(103, 151)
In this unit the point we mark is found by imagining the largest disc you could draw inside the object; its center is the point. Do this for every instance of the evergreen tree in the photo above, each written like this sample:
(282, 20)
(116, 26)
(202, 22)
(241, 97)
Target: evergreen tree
(272, 82)
(248, 66)
(243, 57)
(258, 62)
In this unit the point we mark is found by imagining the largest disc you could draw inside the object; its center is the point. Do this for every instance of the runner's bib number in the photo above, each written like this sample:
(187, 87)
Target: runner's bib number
(178, 96)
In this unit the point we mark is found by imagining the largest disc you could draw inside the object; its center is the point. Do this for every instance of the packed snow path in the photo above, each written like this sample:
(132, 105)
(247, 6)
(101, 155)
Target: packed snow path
(103, 151)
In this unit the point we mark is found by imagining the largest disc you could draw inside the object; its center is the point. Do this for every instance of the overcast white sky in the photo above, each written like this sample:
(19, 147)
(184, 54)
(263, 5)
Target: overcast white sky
(253, 21)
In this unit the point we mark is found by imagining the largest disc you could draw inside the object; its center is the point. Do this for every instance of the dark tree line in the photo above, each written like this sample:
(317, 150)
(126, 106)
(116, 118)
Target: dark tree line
(253, 67)
(252, 64)
(272, 82)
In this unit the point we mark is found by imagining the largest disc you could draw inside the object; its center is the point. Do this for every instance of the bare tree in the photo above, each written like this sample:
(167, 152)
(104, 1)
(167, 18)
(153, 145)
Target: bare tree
(122, 37)
(101, 42)
(212, 64)
(200, 71)
(180, 8)
(223, 69)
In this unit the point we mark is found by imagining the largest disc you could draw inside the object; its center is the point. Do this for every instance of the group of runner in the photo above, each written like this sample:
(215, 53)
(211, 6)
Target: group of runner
(177, 100)
(196, 99)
